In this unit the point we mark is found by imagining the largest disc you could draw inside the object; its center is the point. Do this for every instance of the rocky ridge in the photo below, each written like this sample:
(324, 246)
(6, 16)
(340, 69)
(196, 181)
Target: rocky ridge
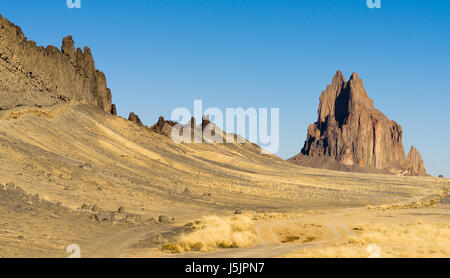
(35, 76)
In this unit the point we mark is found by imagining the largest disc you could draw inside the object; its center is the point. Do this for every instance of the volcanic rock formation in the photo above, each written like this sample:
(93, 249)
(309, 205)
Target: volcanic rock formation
(163, 127)
(35, 76)
(353, 132)
(113, 110)
(415, 163)
(135, 119)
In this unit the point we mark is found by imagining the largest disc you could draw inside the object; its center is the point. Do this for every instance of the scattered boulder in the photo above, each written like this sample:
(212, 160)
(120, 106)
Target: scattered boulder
(206, 195)
(104, 216)
(85, 207)
(95, 208)
(120, 216)
(109, 216)
(85, 166)
(163, 219)
(12, 186)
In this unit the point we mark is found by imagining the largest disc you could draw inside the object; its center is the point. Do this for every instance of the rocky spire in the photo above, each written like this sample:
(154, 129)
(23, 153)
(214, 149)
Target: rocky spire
(113, 110)
(135, 119)
(350, 130)
(415, 164)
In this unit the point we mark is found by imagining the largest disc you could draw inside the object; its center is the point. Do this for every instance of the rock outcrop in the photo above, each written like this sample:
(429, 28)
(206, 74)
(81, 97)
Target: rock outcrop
(135, 119)
(163, 127)
(415, 164)
(113, 110)
(35, 76)
(353, 132)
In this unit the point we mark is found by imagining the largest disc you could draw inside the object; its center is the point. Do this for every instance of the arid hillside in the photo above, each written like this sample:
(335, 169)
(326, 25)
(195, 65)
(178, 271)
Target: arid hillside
(85, 164)
(75, 177)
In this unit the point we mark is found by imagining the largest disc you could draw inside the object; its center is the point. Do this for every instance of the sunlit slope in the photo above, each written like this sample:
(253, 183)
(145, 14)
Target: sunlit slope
(77, 154)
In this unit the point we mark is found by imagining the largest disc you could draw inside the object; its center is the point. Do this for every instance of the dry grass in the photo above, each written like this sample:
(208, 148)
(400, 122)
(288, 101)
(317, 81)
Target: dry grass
(301, 233)
(214, 232)
(394, 240)
(43, 149)
(431, 202)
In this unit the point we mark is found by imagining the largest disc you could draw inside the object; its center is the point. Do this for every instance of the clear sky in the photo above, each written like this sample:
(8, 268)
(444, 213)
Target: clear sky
(162, 54)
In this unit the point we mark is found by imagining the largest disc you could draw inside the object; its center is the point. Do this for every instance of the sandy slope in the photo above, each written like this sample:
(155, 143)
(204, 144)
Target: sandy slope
(75, 154)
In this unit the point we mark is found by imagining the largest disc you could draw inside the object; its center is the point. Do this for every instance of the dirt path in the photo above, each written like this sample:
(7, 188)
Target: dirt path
(136, 241)
(266, 250)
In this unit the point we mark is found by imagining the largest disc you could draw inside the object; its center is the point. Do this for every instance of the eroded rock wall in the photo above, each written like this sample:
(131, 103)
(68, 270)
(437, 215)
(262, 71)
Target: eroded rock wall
(35, 76)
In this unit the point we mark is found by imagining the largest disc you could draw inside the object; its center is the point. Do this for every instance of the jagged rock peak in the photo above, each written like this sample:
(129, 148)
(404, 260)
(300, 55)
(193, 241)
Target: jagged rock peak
(135, 119)
(352, 131)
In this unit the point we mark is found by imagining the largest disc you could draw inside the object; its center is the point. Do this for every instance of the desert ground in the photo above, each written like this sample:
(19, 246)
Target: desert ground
(73, 174)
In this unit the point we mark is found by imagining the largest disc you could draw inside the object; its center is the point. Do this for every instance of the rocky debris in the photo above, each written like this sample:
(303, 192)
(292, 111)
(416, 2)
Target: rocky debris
(119, 216)
(415, 163)
(95, 208)
(133, 218)
(104, 216)
(159, 240)
(352, 131)
(15, 198)
(206, 196)
(327, 162)
(92, 208)
(85, 166)
(238, 212)
(135, 119)
(113, 110)
(35, 76)
(165, 219)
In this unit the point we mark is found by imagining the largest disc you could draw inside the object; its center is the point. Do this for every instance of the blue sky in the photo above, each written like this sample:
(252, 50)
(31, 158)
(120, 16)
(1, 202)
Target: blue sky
(162, 54)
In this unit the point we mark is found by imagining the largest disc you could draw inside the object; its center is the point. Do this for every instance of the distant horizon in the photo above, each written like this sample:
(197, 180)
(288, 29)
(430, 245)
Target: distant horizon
(158, 56)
